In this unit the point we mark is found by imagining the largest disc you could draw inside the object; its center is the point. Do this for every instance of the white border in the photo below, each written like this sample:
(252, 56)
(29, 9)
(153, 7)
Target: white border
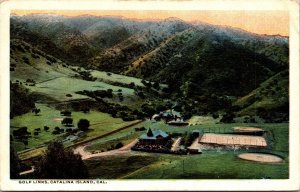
(129, 185)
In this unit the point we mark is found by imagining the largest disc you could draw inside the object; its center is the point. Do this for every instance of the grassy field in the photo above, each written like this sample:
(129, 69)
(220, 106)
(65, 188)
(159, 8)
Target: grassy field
(116, 78)
(59, 87)
(101, 123)
(110, 141)
(210, 164)
(117, 167)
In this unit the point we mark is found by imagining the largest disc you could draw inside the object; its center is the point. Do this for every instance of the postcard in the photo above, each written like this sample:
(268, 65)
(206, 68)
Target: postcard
(149, 95)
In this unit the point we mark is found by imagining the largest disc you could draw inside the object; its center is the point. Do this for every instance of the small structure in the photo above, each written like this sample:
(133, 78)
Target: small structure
(158, 137)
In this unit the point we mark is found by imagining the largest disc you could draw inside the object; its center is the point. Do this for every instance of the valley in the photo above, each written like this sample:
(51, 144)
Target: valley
(101, 83)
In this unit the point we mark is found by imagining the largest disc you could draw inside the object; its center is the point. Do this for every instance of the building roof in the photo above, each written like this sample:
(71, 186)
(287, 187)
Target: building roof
(155, 133)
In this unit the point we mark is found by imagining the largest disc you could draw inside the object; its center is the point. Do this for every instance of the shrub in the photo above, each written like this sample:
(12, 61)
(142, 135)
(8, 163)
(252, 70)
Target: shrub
(119, 145)
(46, 128)
(67, 121)
(55, 132)
(83, 124)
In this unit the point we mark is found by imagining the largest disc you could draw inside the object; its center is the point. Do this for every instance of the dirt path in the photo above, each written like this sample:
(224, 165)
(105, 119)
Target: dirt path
(175, 146)
(87, 155)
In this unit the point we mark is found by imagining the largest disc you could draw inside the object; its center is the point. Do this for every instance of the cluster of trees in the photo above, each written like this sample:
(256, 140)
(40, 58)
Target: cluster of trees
(86, 75)
(150, 84)
(98, 93)
(187, 139)
(60, 163)
(21, 101)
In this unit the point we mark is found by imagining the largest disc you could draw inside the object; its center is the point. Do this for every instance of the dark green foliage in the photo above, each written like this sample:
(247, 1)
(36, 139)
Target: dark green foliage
(227, 118)
(83, 124)
(148, 109)
(86, 75)
(66, 113)
(26, 60)
(215, 115)
(46, 128)
(60, 163)
(67, 121)
(21, 132)
(55, 132)
(21, 101)
(119, 145)
(15, 166)
(36, 111)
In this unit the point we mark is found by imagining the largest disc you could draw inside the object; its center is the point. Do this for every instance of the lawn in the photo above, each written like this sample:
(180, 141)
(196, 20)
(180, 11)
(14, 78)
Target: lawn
(59, 87)
(118, 166)
(211, 165)
(101, 123)
(110, 142)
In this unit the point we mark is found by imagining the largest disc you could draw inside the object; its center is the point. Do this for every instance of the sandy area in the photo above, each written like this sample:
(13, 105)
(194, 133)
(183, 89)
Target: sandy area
(198, 120)
(247, 129)
(260, 157)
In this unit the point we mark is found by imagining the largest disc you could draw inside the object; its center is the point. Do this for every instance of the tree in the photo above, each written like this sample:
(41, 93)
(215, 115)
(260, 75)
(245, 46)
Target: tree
(46, 128)
(15, 166)
(83, 124)
(36, 111)
(119, 145)
(67, 121)
(156, 86)
(227, 118)
(60, 163)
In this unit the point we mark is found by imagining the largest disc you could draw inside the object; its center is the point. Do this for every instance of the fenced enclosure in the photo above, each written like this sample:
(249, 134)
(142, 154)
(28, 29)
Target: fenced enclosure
(232, 139)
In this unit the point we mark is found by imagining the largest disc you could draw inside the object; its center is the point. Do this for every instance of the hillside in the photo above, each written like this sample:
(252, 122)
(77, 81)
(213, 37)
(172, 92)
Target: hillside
(197, 62)
(270, 100)
(205, 63)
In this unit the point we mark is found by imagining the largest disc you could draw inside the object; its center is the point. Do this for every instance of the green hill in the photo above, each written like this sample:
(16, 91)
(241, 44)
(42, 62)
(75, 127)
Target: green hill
(269, 100)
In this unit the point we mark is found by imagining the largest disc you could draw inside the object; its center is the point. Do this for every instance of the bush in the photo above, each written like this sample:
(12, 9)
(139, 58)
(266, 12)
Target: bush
(67, 121)
(227, 118)
(215, 115)
(68, 130)
(68, 95)
(46, 128)
(55, 132)
(66, 113)
(119, 145)
(83, 124)
(21, 132)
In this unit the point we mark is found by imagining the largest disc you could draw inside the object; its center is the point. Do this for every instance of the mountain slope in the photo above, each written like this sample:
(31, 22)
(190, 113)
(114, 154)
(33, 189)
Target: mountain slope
(204, 62)
(199, 62)
(270, 100)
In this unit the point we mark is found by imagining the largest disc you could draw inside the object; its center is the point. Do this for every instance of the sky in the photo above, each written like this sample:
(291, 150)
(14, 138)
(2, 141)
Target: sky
(260, 22)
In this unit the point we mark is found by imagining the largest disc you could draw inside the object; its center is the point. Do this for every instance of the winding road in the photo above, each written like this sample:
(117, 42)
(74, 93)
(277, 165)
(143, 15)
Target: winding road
(85, 155)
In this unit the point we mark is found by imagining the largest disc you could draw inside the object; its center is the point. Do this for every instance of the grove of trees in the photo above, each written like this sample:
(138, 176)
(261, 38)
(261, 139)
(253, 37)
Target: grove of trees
(60, 163)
